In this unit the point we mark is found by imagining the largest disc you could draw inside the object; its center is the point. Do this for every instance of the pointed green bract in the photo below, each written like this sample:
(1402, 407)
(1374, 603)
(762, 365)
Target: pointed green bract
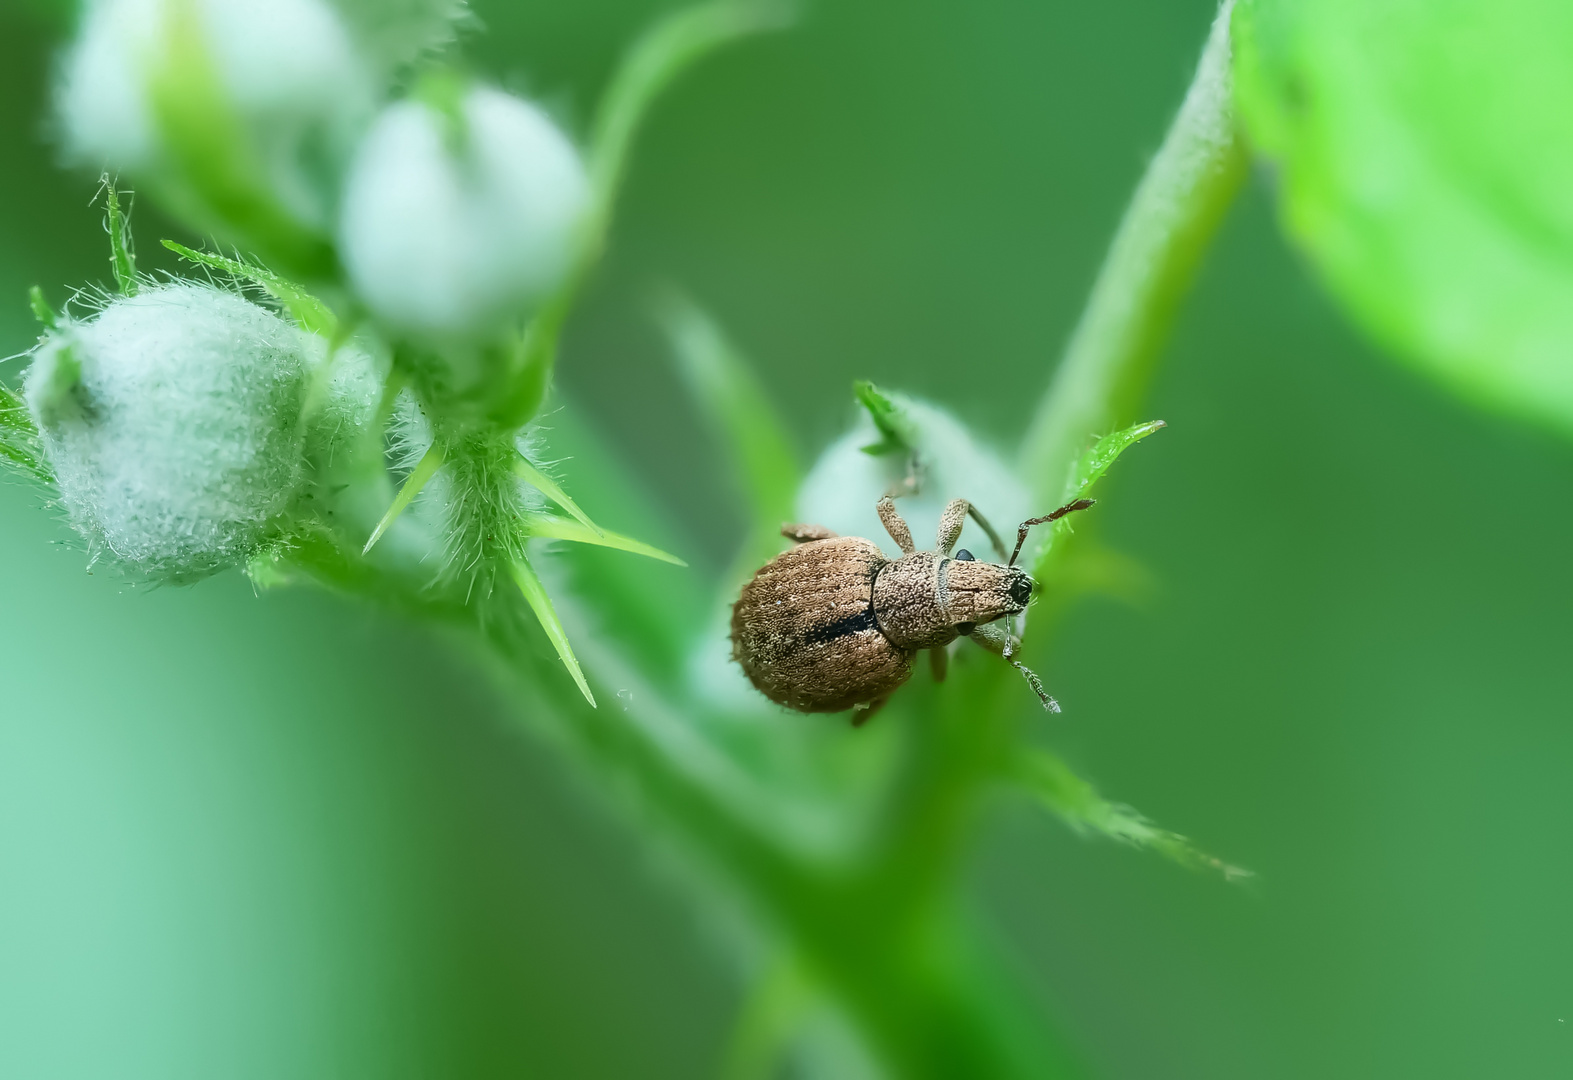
(549, 487)
(540, 603)
(424, 470)
(551, 527)
(309, 313)
(121, 258)
(1076, 802)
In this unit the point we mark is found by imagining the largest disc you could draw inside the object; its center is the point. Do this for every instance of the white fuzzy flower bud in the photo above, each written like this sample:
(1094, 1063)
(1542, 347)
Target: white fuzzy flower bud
(287, 70)
(845, 483)
(393, 33)
(454, 225)
(172, 423)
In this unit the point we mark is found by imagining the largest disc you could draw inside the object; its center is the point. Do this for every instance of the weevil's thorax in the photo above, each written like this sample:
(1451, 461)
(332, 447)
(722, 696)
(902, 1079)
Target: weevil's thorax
(923, 600)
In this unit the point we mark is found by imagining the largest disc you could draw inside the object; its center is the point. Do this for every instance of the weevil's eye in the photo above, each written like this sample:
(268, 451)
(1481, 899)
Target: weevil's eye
(1021, 590)
(963, 555)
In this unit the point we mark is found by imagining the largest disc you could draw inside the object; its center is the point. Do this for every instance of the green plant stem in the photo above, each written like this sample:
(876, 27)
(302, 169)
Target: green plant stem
(884, 938)
(1167, 227)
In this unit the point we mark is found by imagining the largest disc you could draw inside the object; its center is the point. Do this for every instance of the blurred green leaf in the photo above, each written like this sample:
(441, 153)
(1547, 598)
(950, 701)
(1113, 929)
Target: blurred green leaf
(1077, 803)
(1425, 163)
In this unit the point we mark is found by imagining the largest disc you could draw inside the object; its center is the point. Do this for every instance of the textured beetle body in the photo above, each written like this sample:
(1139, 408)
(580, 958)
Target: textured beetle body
(833, 624)
(805, 631)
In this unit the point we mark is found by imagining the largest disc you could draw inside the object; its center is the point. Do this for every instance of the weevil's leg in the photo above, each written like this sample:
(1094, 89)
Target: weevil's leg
(939, 661)
(1021, 533)
(1000, 641)
(950, 523)
(988, 530)
(862, 714)
(895, 525)
(802, 534)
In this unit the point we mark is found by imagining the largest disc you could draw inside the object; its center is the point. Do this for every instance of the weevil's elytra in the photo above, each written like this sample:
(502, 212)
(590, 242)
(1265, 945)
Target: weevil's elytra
(832, 624)
(804, 628)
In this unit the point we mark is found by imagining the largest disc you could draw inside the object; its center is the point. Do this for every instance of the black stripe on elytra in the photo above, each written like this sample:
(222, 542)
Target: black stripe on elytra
(852, 624)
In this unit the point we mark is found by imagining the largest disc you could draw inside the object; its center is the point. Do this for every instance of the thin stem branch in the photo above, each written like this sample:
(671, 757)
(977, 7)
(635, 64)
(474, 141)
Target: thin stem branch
(1167, 227)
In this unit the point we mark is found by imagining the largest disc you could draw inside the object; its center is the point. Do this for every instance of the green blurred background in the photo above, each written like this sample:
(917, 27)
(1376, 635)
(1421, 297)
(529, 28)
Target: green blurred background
(285, 836)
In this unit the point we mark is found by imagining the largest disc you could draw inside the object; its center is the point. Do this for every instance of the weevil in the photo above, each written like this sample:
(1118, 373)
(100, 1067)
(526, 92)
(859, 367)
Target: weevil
(832, 624)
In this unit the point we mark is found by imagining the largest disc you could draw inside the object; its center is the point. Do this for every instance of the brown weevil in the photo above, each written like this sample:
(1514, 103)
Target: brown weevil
(833, 624)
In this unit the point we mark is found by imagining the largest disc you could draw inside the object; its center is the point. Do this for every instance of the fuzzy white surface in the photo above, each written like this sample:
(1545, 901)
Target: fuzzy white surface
(845, 483)
(289, 68)
(393, 33)
(181, 441)
(451, 237)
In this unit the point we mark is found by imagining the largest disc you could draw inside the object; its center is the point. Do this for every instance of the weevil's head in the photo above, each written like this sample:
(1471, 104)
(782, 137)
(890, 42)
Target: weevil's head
(980, 592)
(924, 600)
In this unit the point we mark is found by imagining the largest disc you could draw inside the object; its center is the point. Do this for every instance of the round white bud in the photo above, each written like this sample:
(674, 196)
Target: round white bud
(172, 423)
(841, 490)
(286, 68)
(454, 225)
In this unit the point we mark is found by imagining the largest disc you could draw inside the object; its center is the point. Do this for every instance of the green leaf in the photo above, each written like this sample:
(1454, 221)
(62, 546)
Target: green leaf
(552, 527)
(897, 433)
(549, 487)
(754, 439)
(309, 313)
(1087, 471)
(1091, 466)
(540, 603)
(1077, 803)
(1424, 154)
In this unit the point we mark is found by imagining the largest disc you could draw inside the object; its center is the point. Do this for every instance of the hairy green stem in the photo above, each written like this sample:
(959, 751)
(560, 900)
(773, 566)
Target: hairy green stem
(1167, 227)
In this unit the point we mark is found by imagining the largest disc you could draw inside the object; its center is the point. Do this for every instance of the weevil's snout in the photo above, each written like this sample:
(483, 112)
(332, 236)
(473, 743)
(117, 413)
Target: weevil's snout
(980, 592)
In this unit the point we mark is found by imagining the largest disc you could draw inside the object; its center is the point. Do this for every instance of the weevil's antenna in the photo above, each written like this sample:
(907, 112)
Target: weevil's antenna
(994, 537)
(1021, 533)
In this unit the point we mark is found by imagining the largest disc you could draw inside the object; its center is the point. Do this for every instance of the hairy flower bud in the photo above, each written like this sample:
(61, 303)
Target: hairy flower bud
(949, 463)
(455, 224)
(186, 91)
(393, 33)
(172, 421)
